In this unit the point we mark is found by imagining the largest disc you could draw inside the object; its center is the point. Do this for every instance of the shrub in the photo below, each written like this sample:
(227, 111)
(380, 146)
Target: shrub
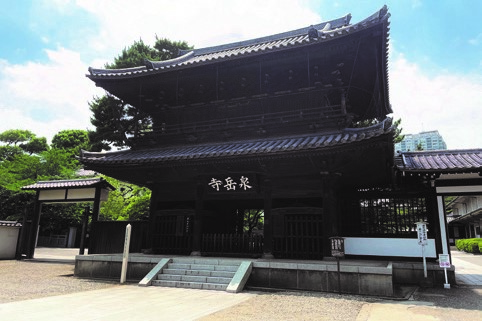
(469, 245)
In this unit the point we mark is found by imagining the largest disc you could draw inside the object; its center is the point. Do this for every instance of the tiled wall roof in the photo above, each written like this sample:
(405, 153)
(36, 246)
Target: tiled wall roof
(92, 182)
(441, 161)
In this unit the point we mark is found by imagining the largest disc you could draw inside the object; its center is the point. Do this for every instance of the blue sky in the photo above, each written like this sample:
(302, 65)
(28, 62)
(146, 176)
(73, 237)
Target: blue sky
(47, 47)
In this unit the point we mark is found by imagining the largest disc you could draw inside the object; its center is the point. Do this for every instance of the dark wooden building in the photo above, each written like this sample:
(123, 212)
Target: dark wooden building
(269, 124)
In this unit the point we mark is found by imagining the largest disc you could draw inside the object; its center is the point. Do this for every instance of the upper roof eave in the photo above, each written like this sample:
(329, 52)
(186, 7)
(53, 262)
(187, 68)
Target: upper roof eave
(327, 31)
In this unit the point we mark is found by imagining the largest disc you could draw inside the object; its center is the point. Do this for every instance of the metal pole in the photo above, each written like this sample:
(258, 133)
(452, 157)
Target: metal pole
(339, 277)
(424, 262)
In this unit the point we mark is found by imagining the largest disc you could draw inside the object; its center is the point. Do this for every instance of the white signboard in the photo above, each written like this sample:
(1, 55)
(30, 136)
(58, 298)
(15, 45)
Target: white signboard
(422, 233)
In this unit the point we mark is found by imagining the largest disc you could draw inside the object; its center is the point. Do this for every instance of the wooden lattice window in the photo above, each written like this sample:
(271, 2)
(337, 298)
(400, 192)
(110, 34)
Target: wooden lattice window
(393, 216)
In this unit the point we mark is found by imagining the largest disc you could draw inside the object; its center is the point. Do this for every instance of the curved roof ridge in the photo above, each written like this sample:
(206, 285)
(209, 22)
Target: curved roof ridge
(97, 71)
(151, 64)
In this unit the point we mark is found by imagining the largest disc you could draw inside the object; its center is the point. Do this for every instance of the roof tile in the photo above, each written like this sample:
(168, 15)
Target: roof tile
(441, 161)
(265, 147)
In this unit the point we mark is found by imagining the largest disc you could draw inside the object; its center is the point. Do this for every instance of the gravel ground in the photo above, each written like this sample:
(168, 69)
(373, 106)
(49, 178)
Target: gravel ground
(23, 280)
(290, 306)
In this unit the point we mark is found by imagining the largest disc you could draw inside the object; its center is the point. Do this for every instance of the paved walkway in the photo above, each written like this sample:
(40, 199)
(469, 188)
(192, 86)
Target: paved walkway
(127, 302)
(468, 268)
(130, 302)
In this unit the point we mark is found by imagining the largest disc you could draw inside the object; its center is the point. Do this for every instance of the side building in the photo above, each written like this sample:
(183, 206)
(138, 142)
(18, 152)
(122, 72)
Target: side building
(430, 140)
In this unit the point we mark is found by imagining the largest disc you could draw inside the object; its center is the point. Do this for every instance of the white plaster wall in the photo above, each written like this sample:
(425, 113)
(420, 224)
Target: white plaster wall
(8, 242)
(388, 247)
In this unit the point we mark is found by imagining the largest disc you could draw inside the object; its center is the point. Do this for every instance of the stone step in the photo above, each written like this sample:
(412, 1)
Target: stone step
(223, 274)
(194, 278)
(191, 285)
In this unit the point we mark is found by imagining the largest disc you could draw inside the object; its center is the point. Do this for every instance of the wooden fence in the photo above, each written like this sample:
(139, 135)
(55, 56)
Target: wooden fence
(232, 245)
(108, 237)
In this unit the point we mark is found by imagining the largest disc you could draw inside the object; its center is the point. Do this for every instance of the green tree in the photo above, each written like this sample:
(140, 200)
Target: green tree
(36, 145)
(15, 136)
(71, 140)
(8, 152)
(115, 120)
(127, 202)
(398, 137)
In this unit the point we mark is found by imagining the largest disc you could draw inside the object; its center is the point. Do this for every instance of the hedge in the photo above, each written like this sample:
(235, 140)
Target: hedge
(469, 245)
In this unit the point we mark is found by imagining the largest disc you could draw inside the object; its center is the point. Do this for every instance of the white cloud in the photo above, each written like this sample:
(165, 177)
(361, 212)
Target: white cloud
(200, 23)
(476, 40)
(51, 96)
(46, 97)
(447, 103)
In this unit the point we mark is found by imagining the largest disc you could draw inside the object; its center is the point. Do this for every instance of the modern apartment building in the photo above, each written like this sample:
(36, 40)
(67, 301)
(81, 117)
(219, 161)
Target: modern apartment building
(430, 140)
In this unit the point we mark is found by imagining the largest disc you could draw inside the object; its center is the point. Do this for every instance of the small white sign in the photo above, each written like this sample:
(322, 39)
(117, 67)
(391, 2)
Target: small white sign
(444, 260)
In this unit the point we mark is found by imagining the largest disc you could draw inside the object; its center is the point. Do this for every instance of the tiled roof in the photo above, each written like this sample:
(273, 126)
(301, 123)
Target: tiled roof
(10, 223)
(74, 183)
(319, 33)
(264, 147)
(443, 161)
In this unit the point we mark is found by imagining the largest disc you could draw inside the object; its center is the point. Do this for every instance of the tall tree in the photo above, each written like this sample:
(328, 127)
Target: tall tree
(115, 120)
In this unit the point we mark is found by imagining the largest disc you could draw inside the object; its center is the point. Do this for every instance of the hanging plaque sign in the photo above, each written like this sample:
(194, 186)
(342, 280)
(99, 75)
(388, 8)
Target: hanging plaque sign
(232, 183)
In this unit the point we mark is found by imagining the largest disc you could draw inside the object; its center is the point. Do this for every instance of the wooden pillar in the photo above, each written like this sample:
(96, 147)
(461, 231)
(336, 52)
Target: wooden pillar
(85, 223)
(198, 221)
(32, 242)
(444, 241)
(153, 208)
(95, 219)
(21, 239)
(268, 224)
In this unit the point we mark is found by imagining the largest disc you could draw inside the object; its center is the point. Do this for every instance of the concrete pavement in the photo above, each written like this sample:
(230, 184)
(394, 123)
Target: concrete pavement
(126, 302)
(468, 268)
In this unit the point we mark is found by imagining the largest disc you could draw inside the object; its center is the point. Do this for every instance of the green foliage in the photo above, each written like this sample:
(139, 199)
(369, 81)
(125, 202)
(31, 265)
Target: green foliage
(72, 140)
(398, 137)
(15, 136)
(167, 49)
(57, 218)
(127, 202)
(253, 220)
(469, 245)
(36, 145)
(23, 169)
(133, 56)
(13, 203)
(8, 152)
(114, 120)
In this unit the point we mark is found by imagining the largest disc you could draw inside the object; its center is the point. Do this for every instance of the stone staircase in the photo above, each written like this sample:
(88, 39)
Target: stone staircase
(200, 273)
